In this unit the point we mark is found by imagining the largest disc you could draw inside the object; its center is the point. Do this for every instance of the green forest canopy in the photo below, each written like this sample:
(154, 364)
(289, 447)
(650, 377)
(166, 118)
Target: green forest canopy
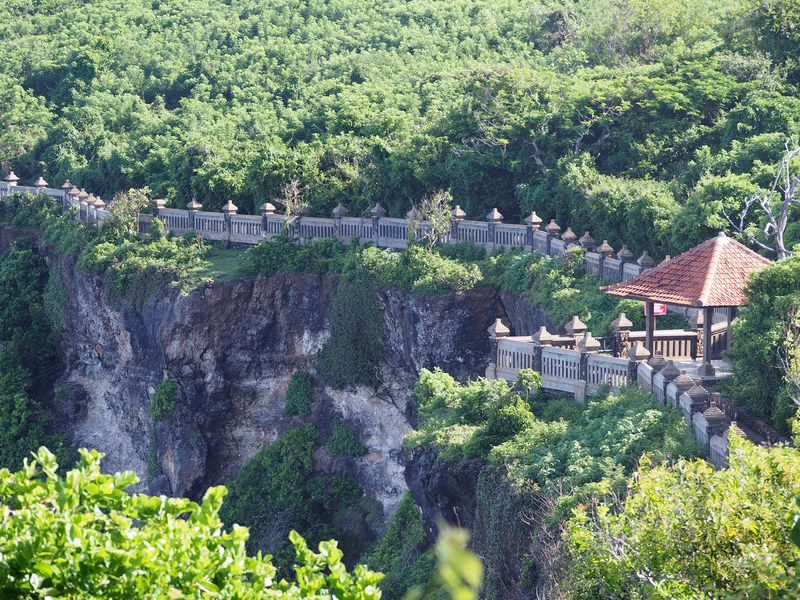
(637, 119)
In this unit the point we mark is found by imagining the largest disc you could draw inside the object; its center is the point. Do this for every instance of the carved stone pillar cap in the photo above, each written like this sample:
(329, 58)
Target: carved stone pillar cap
(533, 220)
(340, 211)
(230, 208)
(74, 192)
(267, 208)
(734, 429)
(605, 249)
(569, 236)
(458, 213)
(624, 254)
(498, 329)
(494, 216)
(588, 343)
(698, 394)
(12, 178)
(714, 415)
(621, 323)
(41, 183)
(587, 241)
(377, 211)
(67, 186)
(684, 382)
(99, 204)
(543, 337)
(83, 195)
(194, 204)
(658, 362)
(90, 200)
(670, 371)
(158, 203)
(575, 326)
(638, 352)
(552, 228)
(646, 261)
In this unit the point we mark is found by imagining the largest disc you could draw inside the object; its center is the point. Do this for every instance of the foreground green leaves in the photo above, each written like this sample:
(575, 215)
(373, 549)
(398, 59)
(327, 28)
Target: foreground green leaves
(84, 536)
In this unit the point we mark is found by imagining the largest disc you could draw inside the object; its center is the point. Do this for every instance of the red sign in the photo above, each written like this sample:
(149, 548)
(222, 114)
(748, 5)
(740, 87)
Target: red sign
(658, 309)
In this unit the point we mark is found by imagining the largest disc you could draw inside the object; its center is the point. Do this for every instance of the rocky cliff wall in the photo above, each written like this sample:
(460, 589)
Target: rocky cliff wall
(232, 347)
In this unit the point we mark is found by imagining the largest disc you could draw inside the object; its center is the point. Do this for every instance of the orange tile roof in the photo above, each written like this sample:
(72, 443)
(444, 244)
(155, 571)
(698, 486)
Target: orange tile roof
(713, 273)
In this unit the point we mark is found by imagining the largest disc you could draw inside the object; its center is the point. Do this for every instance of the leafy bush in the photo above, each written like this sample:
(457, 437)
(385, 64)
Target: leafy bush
(28, 363)
(164, 398)
(547, 441)
(84, 536)
(352, 353)
(462, 251)
(277, 490)
(759, 334)
(284, 255)
(299, 395)
(344, 442)
(415, 268)
(560, 287)
(688, 531)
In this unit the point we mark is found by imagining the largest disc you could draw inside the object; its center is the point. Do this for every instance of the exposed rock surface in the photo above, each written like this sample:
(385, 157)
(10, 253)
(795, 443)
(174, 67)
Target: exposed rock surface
(232, 347)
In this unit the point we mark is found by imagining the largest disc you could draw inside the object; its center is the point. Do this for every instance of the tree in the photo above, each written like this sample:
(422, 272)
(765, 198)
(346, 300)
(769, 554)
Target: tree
(689, 531)
(83, 535)
(430, 218)
(293, 200)
(776, 205)
(122, 222)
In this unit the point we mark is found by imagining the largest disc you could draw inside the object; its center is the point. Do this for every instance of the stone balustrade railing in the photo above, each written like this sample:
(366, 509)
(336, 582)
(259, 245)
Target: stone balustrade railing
(385, 232)
(572, 364)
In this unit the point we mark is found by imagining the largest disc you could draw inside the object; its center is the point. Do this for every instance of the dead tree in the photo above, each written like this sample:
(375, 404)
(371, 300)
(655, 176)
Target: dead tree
(775, 206)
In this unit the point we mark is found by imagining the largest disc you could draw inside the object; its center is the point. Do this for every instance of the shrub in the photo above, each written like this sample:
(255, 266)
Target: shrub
(352, 353)
(278, 490)
(759, 334)
(299, 395)
(344, 442)
(84, 536)
(401, 553)
(164, 399)
(694, 531)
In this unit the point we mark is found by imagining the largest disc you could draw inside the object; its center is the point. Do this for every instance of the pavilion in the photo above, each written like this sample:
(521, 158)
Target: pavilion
(711, 275)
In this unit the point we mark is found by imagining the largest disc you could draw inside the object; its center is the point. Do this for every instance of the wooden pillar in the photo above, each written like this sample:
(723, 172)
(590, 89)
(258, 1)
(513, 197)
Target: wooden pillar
(649, 326)
(707, 369)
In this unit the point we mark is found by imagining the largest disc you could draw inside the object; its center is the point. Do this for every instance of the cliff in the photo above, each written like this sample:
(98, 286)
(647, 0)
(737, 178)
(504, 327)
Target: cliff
(232, 347)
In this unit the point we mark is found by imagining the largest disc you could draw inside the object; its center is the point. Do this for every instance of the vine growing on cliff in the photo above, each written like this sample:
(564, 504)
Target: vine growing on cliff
(351, 355)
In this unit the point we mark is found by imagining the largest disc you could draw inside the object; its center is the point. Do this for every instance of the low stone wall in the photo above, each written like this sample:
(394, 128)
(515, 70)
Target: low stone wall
(385, 232)
(581, 371)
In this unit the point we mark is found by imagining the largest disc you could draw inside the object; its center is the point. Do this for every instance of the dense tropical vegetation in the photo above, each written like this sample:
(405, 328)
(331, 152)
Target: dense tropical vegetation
(641, 121)
(649, 122)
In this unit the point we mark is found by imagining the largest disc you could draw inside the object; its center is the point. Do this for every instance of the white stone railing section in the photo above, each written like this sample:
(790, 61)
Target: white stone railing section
(384, 232)
(561, 363)
(474, 232)
(510, 236)
(177, 221)
(514, 354)
(246, 229)
(606, 370)
(351, 227)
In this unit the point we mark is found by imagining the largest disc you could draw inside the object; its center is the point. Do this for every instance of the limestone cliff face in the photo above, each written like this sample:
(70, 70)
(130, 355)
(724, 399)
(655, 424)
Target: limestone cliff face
(232, 347)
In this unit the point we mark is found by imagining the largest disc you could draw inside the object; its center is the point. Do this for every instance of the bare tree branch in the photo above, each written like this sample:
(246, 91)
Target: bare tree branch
(775, 206)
